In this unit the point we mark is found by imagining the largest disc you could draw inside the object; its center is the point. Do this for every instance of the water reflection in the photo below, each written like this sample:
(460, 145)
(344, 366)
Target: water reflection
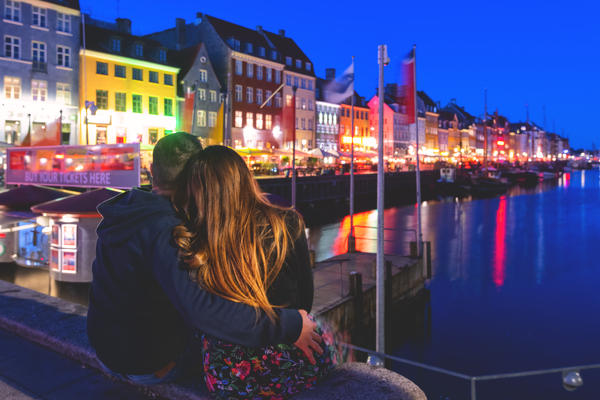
(500, 253)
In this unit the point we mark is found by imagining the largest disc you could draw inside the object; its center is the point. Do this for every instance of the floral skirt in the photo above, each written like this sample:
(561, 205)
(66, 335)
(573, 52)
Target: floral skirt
(273, 372)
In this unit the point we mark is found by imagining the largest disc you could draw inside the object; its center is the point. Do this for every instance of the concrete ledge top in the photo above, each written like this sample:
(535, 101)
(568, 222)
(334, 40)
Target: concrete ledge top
(60, 325)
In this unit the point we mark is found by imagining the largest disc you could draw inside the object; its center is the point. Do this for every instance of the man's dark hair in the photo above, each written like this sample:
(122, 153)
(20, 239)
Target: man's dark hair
(169, 157)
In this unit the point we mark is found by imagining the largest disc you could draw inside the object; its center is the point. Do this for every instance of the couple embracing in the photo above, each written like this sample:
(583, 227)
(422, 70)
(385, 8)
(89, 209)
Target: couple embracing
(204, 278)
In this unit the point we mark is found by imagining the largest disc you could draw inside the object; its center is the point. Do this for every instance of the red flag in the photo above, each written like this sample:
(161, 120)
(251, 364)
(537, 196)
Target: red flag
(187, 116)
(45, 135)
(288, 123)
(409, 89)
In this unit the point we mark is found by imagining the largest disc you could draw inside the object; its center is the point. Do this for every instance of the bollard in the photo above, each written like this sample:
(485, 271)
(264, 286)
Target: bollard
(356, 291)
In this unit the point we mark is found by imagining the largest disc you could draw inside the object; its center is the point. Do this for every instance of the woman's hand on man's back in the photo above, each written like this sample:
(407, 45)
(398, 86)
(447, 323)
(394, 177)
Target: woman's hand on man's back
(309, 339)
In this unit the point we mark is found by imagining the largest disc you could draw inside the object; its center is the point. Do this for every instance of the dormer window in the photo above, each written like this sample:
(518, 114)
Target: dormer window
(288, 61)
(115, 45)
(274, 55)
(139, 50)
(249, 48)
(162, 55)
(298, 63)
(308, 66)
(261, 51)
(236, 44)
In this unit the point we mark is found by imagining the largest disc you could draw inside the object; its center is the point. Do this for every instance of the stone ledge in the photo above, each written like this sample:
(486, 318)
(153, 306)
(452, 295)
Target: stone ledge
(60, 326)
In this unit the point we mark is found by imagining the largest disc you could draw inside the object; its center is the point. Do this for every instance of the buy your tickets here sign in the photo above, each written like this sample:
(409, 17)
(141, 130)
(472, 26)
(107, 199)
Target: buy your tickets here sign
(113, 165)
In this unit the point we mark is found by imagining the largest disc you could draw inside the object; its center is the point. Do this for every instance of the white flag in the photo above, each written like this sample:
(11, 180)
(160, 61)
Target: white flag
(343, 87)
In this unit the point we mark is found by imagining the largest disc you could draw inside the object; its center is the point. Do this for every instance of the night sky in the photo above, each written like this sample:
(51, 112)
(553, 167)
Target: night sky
(536, 53)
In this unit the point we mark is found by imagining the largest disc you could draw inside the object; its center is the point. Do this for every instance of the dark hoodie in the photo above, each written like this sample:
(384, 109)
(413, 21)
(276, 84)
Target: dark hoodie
(143, 305)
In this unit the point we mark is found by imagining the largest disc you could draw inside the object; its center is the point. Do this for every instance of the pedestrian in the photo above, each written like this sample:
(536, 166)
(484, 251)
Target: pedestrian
(242, 247)
(144, 310)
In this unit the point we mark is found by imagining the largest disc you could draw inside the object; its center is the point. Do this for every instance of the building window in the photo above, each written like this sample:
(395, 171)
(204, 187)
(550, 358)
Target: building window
(310, 85)
(139, 50)
(238, 93)
(278, 77)
(39, 16)
(261, 51)
(102, 99)
(136, 103)
(63, 93)
(63, 58)
(153, 76)
(202, 94)
(298, 63)
(120, 71)
(259, 72)
(212, 119)
(238, 119)
(296, 81)
(273, 54)
(203, 75)
(249, 70)
(250, 119)
(201, 118)
(310, 124)
(137, 74)
(249, 48)
(268, 95)
(269, 74)
(101, 68)
(120, 101)
(12, 87)
(278, 100)
(249, 95)
(213, 96)
(63, 22)
(115, 45)
(303, 121)
(168, 79)
(39, 90)
(288, 61)
(259, 121)
(268, 121)
(303, 102)
(308, 66)
(168, 107)
(310, 105)
(238, 67)
(288, 80)
(12, 47)
(303, 83)
(288, 100)
(259, 98)
(38, 52)
(153, 105)
(162, 56)
(12, 10)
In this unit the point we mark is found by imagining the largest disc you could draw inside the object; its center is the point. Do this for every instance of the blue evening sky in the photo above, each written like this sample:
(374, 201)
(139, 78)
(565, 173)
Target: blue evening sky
(540, 53)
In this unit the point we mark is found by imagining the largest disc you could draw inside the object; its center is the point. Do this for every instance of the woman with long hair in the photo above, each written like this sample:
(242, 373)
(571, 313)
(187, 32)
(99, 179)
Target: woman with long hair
(238, 245)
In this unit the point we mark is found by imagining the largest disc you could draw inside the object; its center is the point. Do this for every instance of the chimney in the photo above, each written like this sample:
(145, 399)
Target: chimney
(259, 28)
(329, 74)
(199, 17)
(282, 32)
(179, 33)
(124, 25)
(453, 101)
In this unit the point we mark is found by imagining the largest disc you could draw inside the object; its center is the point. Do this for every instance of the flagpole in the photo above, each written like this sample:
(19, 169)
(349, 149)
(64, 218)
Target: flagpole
(294, 88)
(419, 231)
(351, 238)
(60, 128)
(85, 93)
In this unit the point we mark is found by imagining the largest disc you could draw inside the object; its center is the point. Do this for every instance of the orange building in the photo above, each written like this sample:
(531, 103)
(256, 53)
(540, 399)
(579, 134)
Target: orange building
(363, 138)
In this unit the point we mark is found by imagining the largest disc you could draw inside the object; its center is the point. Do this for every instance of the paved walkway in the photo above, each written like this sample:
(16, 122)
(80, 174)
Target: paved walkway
(29, 371)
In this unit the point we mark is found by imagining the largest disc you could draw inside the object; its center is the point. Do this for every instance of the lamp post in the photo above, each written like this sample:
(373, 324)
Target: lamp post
(294, 88)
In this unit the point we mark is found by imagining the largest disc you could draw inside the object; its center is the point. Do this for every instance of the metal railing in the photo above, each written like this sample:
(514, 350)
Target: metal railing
(407, 252)
(571, 378)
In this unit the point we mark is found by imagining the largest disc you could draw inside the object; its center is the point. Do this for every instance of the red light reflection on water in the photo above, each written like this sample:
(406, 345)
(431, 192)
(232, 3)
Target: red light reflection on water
(499, 267)
(364, 236)
(566, 180)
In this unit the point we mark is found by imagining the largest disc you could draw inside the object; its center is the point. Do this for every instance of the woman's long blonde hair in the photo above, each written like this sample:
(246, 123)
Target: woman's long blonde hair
(233, 240)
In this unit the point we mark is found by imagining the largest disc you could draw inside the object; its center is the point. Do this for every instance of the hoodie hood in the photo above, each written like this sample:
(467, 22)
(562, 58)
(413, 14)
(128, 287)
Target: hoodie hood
(125, 214)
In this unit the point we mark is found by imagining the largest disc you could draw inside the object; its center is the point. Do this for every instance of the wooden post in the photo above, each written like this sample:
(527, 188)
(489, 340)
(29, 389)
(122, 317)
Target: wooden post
(356, 291)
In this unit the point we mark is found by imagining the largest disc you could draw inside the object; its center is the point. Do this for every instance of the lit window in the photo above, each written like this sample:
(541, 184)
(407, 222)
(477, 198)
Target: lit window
(102, 99)
(202, 94)
(12, 10)
(203, 75)
(268, 121)
(213, 96)
(39, 90)
(212, 119)
(63, 58)
(120, 101)
(63, 22)
(63, 93)
(250, 119)
(39, 16)
(12, 87)
(201, 118)
(259, 121)
(288, 100)
(239, 119)
(12, 47)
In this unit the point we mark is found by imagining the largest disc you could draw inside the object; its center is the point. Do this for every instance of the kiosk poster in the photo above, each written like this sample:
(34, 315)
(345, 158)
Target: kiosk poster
(69, 235)
(55, 260)
(69, 262)
(55, 236)
(105, 165)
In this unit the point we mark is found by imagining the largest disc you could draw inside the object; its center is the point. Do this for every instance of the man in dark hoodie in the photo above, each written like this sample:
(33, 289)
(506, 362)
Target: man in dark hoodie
(144, 308)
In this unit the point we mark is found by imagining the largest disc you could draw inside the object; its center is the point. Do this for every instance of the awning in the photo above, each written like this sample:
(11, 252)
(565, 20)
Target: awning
(83, 205)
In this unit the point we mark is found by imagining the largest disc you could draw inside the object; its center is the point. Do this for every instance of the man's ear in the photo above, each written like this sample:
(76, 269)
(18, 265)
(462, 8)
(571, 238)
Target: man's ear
(152, 169)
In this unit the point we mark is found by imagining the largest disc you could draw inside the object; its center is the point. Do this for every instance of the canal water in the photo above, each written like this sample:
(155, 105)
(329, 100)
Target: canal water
(515, 287)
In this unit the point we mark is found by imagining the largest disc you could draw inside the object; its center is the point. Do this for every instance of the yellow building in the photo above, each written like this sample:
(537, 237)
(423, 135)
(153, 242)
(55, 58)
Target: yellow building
(126, 89)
